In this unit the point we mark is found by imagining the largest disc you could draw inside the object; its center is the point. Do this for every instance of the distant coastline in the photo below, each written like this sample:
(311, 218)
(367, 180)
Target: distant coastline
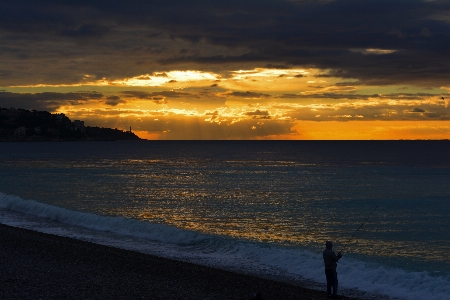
(21, 125)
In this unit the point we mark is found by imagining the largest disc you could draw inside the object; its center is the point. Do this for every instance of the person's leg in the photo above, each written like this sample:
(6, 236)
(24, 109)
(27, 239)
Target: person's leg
(335, 283)
(330, 280)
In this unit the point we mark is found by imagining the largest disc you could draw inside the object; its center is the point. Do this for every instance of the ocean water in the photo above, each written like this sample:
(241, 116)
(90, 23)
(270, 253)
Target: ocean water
(257, 207)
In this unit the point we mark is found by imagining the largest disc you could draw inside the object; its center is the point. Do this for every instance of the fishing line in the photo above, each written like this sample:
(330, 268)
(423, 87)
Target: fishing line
(359, 228)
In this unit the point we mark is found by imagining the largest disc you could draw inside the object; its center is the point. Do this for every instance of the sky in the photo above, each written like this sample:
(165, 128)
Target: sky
(237, 70)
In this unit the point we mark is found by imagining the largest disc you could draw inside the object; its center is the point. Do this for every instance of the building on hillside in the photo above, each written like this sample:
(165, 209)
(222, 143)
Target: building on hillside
(54, 132)
(59, 117)
(78, 126)
(20, 131)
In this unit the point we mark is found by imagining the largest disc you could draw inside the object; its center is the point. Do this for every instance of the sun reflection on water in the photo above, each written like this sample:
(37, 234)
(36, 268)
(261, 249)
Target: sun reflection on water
(255, 197)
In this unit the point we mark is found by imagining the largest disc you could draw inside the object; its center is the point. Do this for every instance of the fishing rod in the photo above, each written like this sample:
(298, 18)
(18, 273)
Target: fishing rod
(351, 238)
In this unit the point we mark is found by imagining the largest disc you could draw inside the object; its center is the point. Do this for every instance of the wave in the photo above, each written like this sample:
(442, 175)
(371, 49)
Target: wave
(119, 225)
(294, 264)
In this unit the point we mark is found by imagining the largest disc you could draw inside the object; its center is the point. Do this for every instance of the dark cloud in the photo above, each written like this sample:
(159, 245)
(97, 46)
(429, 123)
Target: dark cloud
(382, 110)
(157, 95)
(114, 100)
(277, 66)
(249, 94)
(306, 34)
(332, 35)
(258, 113)
(47, 100)
(49, 96)
(86, 31)
(160, 74)
(353, 96)
(203, 96)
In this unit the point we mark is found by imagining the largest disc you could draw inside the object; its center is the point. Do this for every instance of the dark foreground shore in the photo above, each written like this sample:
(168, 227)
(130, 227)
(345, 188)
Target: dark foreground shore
(35, 265)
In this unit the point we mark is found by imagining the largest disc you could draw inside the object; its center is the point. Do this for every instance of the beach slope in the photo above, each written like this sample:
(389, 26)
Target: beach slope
(35, 265)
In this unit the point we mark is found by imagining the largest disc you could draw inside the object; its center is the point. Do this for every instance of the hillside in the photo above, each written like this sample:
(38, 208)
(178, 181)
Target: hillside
(31, 125)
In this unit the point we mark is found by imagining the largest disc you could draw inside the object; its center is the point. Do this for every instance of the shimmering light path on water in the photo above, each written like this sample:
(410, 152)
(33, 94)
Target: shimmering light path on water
(289, 193)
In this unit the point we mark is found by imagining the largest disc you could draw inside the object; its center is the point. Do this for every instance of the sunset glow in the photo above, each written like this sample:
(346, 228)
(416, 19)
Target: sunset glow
(170, 82)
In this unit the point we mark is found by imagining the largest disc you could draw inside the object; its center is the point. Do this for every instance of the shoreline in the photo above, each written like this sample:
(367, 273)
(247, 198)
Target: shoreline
(35, 265)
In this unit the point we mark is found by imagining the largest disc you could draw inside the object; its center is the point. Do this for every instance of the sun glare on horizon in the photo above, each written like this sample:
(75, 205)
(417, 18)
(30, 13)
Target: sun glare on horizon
(258, 103)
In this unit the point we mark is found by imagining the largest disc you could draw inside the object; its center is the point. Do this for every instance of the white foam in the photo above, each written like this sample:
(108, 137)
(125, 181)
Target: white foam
(375, 279)
(131, 227)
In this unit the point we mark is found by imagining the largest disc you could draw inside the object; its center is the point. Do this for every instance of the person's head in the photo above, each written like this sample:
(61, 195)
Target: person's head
(329, 245)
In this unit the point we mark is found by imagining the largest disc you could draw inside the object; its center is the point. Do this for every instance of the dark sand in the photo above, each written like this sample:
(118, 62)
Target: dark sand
(35, 265)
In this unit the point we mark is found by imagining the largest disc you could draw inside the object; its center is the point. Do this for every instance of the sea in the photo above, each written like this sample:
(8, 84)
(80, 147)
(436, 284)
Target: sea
(263, 208)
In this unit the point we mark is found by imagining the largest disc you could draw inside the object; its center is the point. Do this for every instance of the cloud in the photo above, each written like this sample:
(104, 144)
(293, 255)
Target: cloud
(5, 96)
(114, 100)
(377, 109)
(248, 94)
(86, 31)
(411, 41)
(319, 94)
(259, 114)
(204, 62)
(46, 100)
(374, 51)
(157, 97)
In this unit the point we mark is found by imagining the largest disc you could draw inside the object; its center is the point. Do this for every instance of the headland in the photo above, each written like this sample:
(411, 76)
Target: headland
(19, 125)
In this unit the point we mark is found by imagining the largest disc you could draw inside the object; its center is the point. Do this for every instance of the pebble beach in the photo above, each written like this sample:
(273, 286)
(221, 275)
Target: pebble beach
(35, 265)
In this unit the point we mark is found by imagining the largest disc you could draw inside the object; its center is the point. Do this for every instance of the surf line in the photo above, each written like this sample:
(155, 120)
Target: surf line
(362, 224)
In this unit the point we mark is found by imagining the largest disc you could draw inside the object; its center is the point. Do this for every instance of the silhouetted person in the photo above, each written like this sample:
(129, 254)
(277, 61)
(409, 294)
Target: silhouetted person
(330, 259)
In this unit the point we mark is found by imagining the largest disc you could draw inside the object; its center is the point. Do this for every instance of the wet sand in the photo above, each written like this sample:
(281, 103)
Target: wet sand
(35, 265)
